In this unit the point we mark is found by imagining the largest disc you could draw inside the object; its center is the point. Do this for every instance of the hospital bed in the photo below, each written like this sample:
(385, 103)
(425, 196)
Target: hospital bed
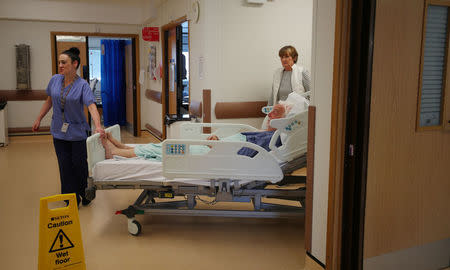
(220, 175)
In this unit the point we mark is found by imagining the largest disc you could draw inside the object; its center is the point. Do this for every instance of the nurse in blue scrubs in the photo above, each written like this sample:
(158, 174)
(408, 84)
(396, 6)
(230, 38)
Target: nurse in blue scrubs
(68, 94)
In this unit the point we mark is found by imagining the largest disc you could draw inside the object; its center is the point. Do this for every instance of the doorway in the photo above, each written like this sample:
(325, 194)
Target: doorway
(118, 103)
(175, 73)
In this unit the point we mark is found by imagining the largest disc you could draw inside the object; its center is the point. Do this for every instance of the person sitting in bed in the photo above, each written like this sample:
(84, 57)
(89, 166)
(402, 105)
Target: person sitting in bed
(153, 151)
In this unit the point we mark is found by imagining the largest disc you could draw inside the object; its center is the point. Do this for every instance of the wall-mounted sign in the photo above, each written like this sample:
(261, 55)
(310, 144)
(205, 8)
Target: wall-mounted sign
(150, 33)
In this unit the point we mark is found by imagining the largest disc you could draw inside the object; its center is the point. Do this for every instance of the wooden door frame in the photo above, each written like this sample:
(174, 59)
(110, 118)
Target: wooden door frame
(134, 37)
(353, 50)
(337, 134)
(164, 28)
(358, 123)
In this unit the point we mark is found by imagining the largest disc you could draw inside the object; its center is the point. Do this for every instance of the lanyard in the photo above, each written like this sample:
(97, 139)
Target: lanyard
(64, 97)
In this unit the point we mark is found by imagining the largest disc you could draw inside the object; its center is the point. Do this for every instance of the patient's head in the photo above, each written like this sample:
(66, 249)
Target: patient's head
(278, 111)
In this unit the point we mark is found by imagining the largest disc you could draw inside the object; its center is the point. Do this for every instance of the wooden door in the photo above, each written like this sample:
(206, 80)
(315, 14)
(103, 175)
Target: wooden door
(172, 64)
(129, 86)
(407, 214)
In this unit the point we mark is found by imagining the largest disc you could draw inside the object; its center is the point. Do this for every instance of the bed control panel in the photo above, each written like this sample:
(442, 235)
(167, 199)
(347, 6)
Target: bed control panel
(292, 125)
(175, 149)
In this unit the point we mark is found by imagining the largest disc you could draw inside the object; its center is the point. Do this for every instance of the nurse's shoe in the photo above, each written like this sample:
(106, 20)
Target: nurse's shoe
(85, 201)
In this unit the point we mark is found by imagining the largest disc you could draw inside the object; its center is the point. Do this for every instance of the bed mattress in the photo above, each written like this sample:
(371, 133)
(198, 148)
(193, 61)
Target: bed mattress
(132, 170)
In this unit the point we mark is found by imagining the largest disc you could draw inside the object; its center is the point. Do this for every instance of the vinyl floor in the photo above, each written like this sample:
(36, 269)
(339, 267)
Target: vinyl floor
(29, 171)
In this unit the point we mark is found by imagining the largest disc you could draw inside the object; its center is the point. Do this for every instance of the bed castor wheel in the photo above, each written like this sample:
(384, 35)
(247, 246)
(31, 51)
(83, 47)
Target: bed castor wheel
(134, 227)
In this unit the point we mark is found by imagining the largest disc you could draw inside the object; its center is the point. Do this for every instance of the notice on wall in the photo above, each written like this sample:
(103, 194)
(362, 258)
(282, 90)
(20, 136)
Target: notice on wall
(150, 33)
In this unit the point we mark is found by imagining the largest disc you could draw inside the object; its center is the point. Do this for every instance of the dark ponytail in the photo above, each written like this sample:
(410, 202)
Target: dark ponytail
(74, 54)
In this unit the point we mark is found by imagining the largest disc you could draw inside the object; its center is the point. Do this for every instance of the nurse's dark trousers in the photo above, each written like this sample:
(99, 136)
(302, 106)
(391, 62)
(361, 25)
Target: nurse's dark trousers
(73, 168)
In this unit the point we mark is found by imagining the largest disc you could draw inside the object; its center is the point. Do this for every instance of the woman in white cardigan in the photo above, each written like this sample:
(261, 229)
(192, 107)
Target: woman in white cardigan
(288, 78)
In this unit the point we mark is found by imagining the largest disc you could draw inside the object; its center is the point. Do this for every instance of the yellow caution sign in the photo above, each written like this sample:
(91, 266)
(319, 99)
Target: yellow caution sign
(60, 244)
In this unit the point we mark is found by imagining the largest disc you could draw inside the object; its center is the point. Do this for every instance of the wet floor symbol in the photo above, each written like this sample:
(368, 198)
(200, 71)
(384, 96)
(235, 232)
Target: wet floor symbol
(61, 242)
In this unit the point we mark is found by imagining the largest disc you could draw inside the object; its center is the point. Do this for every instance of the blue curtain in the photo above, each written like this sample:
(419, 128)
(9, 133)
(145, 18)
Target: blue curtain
(113, 81)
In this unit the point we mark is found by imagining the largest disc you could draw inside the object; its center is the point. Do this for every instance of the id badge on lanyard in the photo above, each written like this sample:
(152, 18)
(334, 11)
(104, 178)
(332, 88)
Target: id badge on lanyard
(63, 98)
(64, 127)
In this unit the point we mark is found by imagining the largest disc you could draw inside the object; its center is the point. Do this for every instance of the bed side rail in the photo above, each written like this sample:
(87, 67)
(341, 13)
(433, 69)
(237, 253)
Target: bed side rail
(294, 136)
(221, 162)
(221, 130)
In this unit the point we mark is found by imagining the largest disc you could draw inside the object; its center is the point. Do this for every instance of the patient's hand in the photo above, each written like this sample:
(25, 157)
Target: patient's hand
(213, 138)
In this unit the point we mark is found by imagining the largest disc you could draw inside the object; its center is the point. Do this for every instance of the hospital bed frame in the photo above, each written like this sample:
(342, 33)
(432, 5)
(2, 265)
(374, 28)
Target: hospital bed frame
(222, 167)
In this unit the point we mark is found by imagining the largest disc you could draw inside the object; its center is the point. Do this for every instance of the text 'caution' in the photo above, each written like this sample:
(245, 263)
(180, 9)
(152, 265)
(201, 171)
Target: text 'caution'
(60, 244)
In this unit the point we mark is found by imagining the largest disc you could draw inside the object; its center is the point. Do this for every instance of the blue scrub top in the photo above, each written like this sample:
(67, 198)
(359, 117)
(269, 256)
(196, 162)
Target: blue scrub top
(80, 95)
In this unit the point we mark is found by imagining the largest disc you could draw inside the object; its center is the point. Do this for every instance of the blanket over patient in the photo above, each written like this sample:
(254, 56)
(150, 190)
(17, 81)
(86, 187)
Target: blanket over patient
(153, 151)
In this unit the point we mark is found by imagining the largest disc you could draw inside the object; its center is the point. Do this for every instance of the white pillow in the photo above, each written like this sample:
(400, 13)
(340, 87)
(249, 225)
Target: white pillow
(297, 104)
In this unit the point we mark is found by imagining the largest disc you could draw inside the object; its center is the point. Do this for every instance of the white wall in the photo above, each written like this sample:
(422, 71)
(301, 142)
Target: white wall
(239, 46)
(322, 77)
(121, 12)
(37, 35)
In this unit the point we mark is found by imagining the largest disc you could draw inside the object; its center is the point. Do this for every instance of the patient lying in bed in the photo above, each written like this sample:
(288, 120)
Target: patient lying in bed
(153, 151)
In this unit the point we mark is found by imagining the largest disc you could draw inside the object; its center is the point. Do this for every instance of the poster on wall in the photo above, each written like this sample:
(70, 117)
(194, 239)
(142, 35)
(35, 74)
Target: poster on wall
(152, 70)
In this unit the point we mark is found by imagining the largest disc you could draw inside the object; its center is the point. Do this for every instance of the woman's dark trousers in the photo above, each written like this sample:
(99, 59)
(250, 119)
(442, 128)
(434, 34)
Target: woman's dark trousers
(73, 168)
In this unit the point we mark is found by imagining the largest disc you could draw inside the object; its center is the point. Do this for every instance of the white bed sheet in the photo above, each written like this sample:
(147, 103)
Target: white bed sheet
(129, 170)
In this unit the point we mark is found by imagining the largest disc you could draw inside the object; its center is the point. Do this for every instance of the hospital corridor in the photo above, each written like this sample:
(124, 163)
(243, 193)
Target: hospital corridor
(29, 165)
(225, 134)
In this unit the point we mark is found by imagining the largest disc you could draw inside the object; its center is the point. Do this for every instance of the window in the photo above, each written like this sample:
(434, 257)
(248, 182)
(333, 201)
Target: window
(434, 68)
